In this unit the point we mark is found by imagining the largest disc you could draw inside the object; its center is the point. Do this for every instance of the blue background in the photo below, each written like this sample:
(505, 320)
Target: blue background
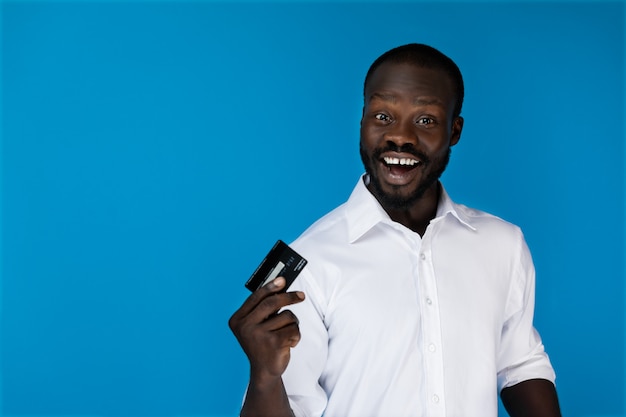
(152, 152)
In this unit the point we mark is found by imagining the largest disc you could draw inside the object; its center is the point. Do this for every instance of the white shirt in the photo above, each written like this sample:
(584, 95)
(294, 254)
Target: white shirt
(397, 325)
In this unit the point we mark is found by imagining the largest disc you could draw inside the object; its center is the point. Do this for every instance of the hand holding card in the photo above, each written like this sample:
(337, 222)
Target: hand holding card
(281, 261)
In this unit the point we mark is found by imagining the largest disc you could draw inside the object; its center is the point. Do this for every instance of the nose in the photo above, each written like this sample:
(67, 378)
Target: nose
(401, 132)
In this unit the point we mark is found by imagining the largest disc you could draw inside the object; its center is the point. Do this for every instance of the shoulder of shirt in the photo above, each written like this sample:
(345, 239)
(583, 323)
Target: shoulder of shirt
(483, 221)
(320, 244)
(331, 224)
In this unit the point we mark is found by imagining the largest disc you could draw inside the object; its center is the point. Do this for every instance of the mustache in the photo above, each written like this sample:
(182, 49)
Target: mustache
(405, 148)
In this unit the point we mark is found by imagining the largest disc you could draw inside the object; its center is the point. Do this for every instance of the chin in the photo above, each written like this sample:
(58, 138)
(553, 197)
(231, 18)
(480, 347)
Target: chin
(397, 200)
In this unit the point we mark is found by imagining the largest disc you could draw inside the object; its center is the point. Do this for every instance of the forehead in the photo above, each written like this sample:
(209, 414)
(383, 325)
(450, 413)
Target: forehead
(404, 79)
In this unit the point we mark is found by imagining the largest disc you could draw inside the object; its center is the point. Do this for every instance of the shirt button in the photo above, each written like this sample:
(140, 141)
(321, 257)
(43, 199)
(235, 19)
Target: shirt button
(422, 256)
(429, 301)
(435, 399)
(432, 347)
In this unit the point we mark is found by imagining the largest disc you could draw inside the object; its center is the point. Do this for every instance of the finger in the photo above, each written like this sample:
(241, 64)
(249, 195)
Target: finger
(288, 335)
(283, 319)
(259, 295)
(269, 306)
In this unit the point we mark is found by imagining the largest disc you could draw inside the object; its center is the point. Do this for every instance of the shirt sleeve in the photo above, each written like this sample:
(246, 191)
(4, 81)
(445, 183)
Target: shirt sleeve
(522, 355)
(308, 358)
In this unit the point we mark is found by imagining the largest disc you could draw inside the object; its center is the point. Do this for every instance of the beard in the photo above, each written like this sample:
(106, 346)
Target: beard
(398, 201)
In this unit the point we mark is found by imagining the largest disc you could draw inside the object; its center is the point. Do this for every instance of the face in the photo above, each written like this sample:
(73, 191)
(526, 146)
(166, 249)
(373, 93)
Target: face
(407, 130)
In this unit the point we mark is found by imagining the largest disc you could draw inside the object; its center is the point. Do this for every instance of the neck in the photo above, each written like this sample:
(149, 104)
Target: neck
(418, 216)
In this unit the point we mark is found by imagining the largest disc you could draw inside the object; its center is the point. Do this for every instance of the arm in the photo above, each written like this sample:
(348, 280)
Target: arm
(526, 375)
(267, 338)
(531, 398)
(266, 398)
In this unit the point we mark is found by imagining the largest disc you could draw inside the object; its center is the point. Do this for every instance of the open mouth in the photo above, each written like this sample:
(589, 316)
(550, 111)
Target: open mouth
(401, 161)
(400, 166)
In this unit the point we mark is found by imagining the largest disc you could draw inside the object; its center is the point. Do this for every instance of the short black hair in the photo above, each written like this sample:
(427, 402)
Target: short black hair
(423, 56)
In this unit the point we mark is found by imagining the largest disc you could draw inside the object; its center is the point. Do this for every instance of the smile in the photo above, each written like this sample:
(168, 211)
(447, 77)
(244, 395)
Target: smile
(401, 161)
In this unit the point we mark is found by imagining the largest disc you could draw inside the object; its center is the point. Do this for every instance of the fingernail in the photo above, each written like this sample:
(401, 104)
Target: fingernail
(279, 282)
(300, 295)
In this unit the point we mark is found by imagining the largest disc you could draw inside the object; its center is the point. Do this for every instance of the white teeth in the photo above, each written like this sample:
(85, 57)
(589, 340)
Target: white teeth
(400, 161)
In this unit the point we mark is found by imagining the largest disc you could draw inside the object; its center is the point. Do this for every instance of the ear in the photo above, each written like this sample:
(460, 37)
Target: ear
(457, 127)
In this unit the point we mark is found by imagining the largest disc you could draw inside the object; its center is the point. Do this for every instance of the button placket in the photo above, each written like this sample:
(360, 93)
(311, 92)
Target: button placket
(431, 331)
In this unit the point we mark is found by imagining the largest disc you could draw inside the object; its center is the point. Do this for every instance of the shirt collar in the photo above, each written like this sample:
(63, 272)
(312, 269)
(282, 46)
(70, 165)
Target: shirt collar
(447, 206)
(363, 211)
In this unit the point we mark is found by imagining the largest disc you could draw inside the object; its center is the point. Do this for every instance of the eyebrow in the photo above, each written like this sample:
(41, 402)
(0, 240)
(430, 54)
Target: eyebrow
(384, 97)
(426, 101)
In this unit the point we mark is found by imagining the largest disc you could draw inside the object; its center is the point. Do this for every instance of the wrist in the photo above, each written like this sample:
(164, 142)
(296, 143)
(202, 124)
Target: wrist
(264, 380)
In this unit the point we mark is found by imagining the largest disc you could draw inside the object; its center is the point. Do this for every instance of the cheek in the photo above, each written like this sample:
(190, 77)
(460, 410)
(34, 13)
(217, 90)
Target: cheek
(369, 135)
(437, 142)
(366, 151)
(365, 141)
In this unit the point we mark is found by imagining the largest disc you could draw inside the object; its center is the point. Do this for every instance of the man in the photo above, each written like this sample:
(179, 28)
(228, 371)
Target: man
(410, 305)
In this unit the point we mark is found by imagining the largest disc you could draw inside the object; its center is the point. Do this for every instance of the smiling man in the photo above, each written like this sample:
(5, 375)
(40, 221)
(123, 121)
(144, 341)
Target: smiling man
(411, 304)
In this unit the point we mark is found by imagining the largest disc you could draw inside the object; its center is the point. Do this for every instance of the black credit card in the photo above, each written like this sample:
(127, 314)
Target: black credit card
(281, 261)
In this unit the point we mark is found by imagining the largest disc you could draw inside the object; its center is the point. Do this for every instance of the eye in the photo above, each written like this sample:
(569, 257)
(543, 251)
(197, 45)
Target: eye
(382, 117)
(425, 121)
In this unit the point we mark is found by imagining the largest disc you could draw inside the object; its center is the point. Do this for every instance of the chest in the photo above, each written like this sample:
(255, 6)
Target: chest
(399, 291)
